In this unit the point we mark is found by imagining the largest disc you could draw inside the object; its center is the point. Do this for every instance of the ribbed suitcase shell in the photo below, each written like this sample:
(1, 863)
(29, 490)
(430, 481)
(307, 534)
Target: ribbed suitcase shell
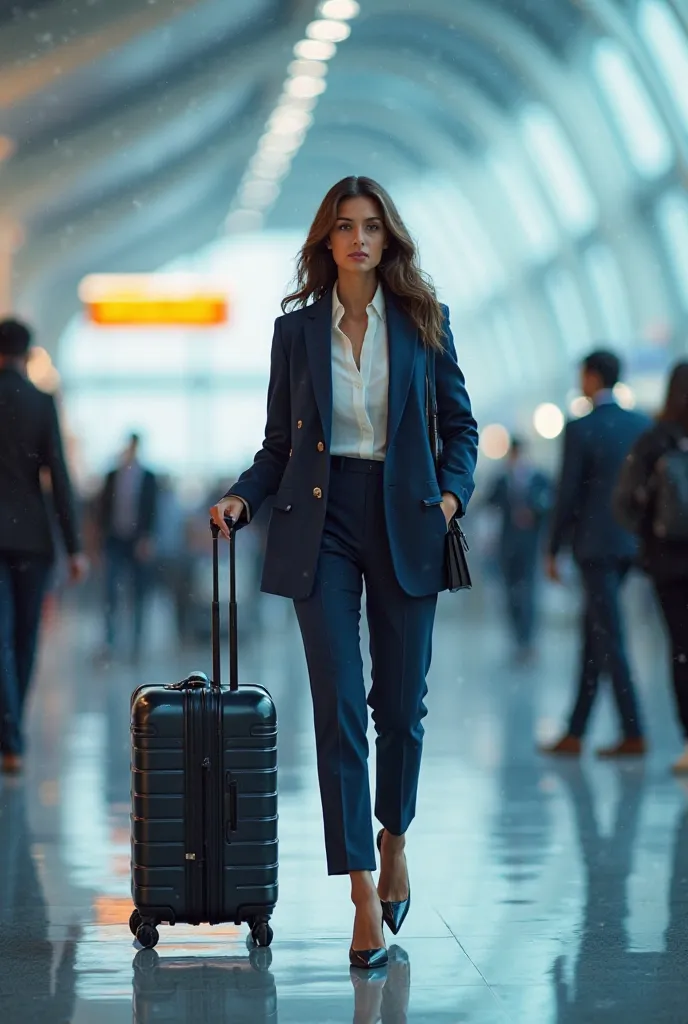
(169, 859)
(216, 991)
(204, 795)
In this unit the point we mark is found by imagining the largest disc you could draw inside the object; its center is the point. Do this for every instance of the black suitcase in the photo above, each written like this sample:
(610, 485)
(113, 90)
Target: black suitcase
(205, 991)
(204, 796)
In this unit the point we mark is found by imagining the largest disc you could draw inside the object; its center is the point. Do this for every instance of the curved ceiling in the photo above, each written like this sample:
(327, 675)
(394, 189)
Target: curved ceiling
(133, 124)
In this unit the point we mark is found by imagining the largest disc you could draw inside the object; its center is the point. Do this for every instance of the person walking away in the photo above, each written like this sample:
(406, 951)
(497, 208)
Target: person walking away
(358, 499)
(651, 500)
(30, 443)
(595, 447)
(523, 497)
(128, 511)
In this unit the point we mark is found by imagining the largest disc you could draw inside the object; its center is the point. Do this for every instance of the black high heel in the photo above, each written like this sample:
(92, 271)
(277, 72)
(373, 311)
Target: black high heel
(368, 959)
(394, 911)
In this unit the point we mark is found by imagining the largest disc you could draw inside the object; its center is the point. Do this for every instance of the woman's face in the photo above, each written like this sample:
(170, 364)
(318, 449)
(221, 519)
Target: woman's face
(358, 238)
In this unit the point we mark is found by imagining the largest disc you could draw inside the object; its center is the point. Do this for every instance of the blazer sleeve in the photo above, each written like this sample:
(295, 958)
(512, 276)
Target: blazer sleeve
(457, 427)
(632, 495)
(571, 481)
(63, 497)
(263, 478)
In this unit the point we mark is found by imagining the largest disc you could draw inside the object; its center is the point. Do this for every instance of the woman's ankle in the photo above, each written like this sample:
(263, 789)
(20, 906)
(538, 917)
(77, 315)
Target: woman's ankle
(393, 844)
(363, 887)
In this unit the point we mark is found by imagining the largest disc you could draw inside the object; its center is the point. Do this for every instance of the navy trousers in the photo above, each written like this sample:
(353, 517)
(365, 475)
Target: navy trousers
(23, 583)
(604, 651)
(355, 548)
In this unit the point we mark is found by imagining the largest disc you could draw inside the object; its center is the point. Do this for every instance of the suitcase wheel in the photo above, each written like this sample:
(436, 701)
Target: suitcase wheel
(147, 935)
(259, 957)
(261, 933)
(135, 922)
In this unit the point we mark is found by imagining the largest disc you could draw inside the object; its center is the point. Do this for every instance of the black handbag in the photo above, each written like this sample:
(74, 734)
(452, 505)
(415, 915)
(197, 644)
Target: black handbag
(457, 573)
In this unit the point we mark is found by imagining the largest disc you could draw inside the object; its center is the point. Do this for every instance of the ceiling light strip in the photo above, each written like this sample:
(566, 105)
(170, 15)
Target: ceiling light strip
(288, 124)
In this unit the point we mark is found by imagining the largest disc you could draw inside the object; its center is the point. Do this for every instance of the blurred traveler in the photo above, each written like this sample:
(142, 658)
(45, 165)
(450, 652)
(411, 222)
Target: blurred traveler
(652, 501)
(128, 509)
(31, 444)
(523, 496)
(595, 447)
(358, 498)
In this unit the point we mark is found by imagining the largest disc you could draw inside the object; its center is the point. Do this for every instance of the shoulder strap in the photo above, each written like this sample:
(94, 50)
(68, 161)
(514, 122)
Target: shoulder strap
(431, 405)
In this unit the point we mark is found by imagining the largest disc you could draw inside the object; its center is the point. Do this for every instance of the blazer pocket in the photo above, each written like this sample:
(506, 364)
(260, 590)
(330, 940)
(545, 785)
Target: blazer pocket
(283, 502)
(436, 499)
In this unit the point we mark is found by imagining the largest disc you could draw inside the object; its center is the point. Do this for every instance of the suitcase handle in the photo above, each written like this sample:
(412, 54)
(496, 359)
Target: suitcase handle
(233, 629)
(195, 681)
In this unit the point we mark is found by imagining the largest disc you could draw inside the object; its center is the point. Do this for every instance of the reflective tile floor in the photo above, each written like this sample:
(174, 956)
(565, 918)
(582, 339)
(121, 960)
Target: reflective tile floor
(543, 892)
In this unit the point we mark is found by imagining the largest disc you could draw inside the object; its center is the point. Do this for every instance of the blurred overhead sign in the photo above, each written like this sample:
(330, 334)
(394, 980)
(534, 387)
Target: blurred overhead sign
(153, 300)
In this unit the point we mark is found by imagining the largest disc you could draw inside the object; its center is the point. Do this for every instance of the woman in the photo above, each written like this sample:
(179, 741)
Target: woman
(659, 461)
(357, 498)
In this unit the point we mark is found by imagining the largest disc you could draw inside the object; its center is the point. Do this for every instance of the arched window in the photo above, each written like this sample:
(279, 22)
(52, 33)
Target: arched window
(569, 311)
(533, 218)
(672, 218)
(557, 163)
(666, 40)
(611, 293)
(643, 132)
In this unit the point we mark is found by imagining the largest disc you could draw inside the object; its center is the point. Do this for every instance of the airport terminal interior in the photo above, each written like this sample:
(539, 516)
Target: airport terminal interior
(160, 164)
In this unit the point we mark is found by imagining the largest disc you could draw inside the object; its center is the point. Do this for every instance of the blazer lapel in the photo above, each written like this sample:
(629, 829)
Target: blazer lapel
(318, 334)
(402, 339)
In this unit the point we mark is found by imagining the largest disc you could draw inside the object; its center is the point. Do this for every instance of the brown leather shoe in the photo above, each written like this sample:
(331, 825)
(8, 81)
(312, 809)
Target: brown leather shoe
(567, 746)
(12, 764)
(630, 747)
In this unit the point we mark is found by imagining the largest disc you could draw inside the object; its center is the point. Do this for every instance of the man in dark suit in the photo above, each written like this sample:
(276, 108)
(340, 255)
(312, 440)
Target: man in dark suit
(523, 496)
(30, 443)
(594, 450)
(128, 510)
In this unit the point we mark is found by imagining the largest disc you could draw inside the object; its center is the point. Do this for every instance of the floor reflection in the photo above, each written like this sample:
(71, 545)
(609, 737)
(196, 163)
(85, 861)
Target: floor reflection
(543, 892)
(192, 990)
(243, 990)
(383, 995)
(37, 977)
(612, 981)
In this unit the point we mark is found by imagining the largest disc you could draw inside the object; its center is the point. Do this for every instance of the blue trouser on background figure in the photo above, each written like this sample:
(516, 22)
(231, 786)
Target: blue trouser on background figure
(23, 583)
(519, 567)
(122, 567)
(355, 548)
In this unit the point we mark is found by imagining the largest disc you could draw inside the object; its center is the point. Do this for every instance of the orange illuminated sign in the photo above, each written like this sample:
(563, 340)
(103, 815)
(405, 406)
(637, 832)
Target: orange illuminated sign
(153, 300)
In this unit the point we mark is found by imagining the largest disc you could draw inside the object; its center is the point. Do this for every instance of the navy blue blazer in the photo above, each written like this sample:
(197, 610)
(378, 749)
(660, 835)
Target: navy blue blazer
(595, 448)
(294, 462)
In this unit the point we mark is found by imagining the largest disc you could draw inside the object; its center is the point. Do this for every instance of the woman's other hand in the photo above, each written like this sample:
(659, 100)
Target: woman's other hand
(232, 507)
(450, 506)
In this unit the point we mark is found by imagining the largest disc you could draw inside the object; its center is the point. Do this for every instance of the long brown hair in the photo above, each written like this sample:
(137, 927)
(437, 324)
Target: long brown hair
(316, 271)
(676, 405)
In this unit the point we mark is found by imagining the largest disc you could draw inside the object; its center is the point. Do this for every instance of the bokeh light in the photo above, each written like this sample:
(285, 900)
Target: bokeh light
(625, 396)
(495, 441)
(548, 420)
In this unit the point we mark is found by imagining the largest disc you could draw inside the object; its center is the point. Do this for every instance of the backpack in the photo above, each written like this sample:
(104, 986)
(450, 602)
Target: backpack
(670, 507)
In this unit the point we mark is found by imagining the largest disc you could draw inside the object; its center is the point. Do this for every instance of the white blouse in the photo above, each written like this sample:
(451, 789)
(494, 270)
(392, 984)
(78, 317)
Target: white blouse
(359, 397)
